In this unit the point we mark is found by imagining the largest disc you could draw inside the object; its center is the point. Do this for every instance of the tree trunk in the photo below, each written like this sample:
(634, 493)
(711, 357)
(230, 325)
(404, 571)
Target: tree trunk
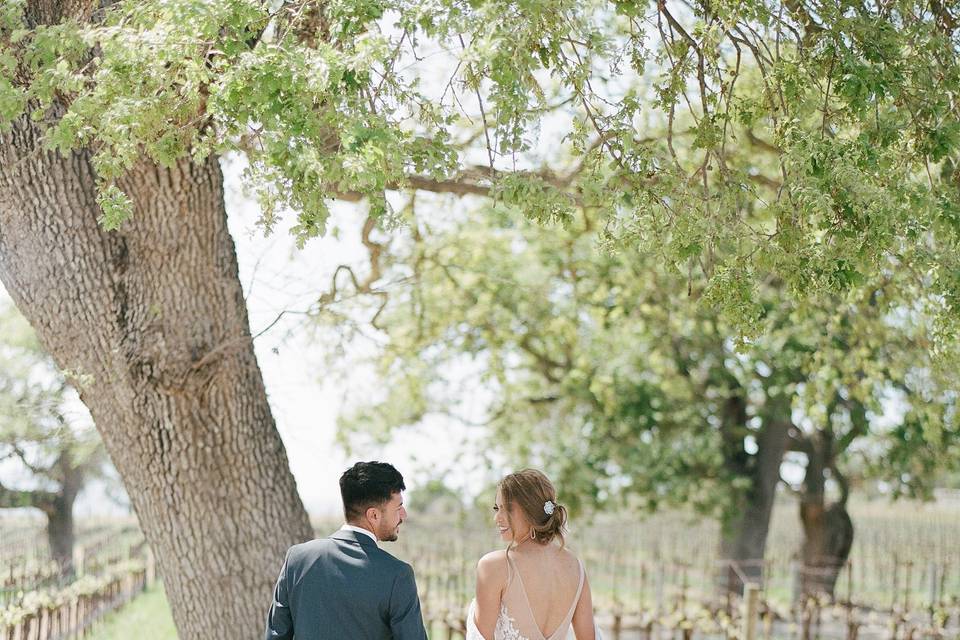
(60, 532)
(827, 530)
(152, 322)
(827, 539)
(59, 510)
(743, 541)
(743, 536)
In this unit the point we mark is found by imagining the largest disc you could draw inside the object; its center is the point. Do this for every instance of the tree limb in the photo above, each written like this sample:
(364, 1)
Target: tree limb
(34, 469)
(471, 180)
(16, 499)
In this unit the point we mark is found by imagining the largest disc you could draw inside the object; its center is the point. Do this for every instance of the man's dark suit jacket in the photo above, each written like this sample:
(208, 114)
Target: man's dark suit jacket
(344, 588)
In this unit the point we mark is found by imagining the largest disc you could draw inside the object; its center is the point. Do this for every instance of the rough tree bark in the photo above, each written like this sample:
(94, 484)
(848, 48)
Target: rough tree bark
(153, 321)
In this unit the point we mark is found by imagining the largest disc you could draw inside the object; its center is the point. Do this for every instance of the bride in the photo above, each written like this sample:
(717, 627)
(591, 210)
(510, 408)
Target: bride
(535, 589)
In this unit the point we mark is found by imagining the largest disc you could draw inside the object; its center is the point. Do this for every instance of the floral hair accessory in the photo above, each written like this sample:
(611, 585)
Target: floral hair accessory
(549, 507)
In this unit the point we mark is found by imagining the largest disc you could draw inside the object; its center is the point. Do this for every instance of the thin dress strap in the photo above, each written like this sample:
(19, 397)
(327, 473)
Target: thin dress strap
(565, 625)
(518, 589)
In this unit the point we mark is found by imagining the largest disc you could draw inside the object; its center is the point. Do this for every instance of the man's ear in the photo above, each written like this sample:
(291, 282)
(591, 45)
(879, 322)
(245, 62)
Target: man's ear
(372, 514)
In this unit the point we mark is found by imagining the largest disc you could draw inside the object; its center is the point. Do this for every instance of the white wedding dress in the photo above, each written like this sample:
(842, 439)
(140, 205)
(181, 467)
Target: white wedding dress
(516, 620)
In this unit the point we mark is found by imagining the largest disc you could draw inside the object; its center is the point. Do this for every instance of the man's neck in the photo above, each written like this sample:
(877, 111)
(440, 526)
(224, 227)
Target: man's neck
(363, 529)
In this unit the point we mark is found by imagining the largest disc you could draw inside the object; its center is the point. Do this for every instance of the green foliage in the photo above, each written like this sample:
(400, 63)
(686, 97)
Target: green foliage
(533, 197)
(116, 207)
(619, 374)
(35, 601)
(742, 138)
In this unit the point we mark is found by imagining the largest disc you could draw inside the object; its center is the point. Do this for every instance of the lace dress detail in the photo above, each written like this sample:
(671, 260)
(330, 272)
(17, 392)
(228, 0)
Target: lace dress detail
(505, 630)
(506, 626)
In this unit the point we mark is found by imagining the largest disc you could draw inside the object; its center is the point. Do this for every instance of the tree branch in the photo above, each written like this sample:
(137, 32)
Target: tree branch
(471, 180)
(841, 480)
(547, 365)
(798, 442)
(760, 143)
(945, 20)
(16, 499)
(375, 250)
(32, 468)
(859, 425)
(810, 26)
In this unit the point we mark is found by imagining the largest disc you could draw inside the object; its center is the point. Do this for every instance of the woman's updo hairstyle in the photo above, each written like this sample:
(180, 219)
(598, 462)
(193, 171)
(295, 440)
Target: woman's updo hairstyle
(533, 492)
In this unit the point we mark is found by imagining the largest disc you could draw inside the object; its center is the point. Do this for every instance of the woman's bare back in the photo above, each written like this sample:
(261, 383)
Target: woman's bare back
(548, 583)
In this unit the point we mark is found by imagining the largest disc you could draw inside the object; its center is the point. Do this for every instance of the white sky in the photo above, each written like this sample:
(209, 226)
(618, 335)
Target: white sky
(277, 276)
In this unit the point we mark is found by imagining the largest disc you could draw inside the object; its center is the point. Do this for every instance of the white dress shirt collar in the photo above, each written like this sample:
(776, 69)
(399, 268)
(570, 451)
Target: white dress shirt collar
(350, 527)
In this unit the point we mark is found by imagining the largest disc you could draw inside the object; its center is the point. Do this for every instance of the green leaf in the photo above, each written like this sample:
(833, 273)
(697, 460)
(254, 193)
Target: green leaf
(116, 208)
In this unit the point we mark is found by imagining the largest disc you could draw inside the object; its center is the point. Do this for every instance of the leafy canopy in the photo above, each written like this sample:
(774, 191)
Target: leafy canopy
(815, 141)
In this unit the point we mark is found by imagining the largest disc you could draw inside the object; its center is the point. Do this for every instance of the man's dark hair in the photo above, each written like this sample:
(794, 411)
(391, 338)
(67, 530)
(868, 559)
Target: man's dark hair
(368, 484)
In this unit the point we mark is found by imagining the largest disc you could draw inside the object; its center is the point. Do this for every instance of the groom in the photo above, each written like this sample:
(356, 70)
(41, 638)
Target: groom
(346, 587)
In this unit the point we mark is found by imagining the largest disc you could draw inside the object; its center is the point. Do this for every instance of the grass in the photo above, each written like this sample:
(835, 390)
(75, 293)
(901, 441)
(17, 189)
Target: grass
(146, 617)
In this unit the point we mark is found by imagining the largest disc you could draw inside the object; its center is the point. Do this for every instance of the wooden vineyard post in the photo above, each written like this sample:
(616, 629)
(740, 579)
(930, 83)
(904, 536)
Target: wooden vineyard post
(683, 587)
(853, 629)
(767, 624)
(934, 582)
(643, 586)
(78, 561)
(906, 586)
(945, 569)
(896, 583)
(849, 603)
(44, 624)
(751, 605)
(806, 619)
(659, 589)
(74, 617)
(849, 583)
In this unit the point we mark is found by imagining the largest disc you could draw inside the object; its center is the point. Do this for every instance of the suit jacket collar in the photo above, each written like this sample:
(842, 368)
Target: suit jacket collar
(353, 536)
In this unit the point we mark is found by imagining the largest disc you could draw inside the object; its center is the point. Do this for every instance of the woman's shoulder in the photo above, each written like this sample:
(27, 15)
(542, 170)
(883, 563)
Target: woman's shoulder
(492, 567)
(493, 559)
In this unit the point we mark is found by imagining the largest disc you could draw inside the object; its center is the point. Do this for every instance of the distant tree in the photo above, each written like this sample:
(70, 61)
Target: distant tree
(46, 430)
(877, 405)
(612, 372)
(435, 498)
